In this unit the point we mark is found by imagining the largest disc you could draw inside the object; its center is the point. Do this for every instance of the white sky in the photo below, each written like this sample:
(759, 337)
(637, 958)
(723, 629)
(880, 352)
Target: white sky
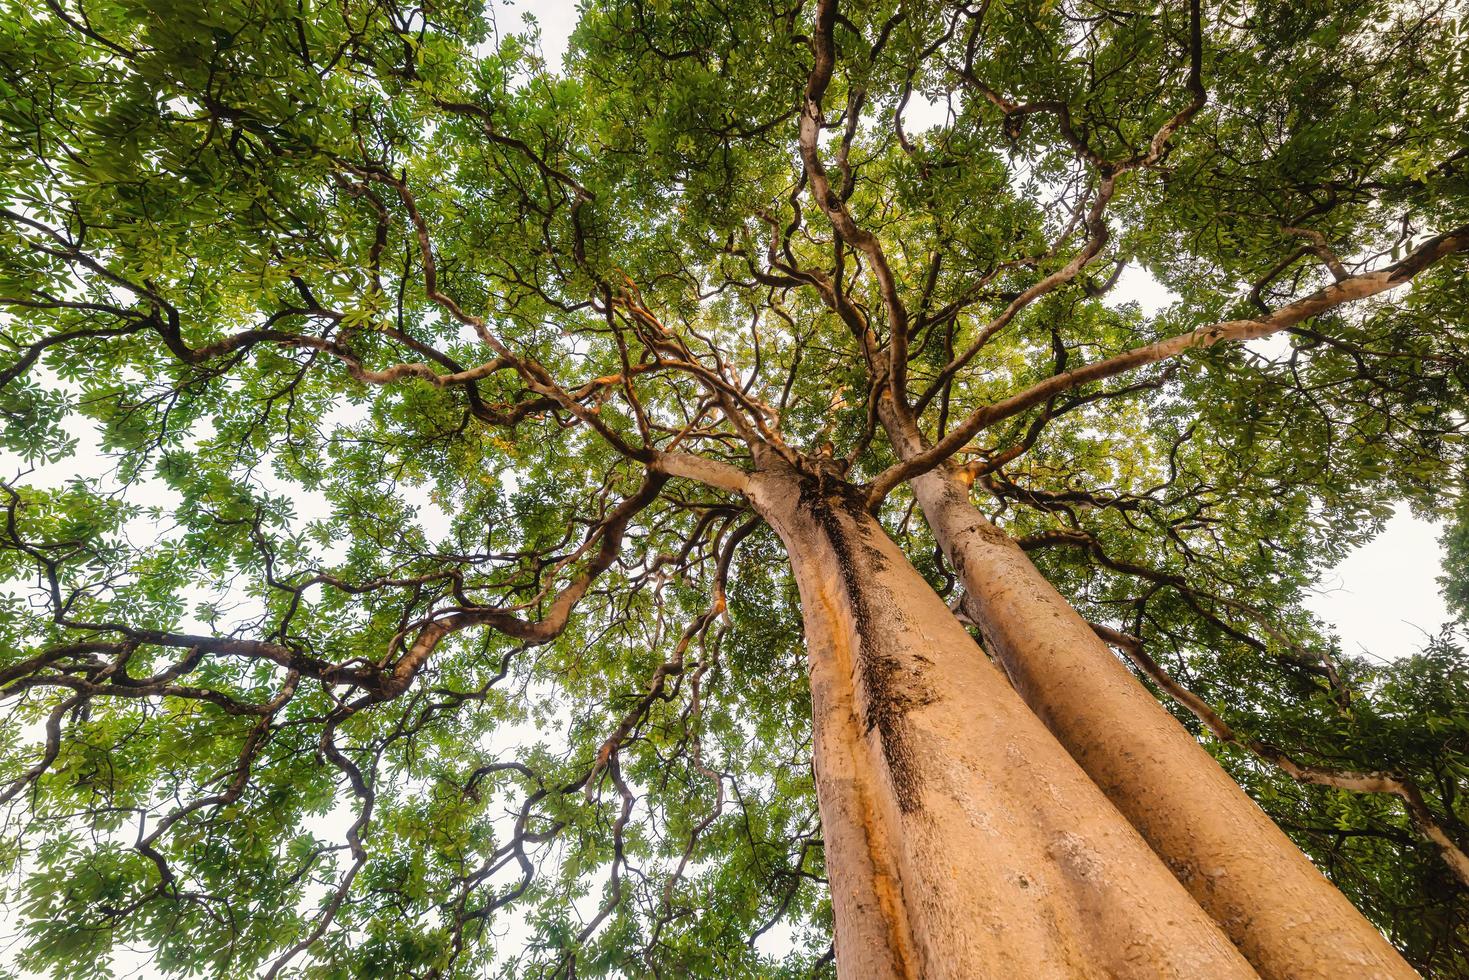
(1384, 600)
(556, 17)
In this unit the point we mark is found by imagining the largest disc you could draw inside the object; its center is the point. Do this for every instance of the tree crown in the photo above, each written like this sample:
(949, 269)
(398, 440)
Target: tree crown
(416, 588)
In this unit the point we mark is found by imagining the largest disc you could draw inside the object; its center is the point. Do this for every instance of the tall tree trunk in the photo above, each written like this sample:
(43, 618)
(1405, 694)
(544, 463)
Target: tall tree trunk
(1289, 921)
(961, 840)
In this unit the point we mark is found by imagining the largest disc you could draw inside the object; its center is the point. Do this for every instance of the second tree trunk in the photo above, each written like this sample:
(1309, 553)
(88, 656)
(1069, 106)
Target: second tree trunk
(1288, 919)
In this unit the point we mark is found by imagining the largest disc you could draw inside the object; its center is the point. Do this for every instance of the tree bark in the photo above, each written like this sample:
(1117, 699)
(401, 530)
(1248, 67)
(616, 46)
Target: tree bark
(1289, 921)
(961, 839)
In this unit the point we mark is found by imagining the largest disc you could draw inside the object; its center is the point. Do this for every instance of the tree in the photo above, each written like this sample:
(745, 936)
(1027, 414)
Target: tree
(453, 403)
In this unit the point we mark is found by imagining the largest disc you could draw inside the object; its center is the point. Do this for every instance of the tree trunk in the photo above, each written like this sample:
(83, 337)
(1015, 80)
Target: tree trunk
(961, 840)
(1289, 921)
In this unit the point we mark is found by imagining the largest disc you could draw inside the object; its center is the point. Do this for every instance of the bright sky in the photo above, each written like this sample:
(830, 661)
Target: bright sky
(556, 17)
(1384, 599)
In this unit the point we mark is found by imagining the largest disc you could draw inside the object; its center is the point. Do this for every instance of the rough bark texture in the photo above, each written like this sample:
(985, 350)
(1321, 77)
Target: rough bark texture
(1289, 921)
(961, 839)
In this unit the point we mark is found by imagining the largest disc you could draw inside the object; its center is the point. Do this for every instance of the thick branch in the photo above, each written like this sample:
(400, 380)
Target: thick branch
(1348, 290)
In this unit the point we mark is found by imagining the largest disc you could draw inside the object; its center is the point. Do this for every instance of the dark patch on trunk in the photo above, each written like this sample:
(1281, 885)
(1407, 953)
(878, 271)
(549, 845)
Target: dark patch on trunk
(886, 693)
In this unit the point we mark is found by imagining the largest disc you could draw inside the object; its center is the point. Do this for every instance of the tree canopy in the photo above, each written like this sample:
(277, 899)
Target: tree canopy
(403, 616)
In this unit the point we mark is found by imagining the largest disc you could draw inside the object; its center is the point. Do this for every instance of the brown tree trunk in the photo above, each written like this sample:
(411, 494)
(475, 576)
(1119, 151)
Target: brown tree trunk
(961, 840)
(1289, 921)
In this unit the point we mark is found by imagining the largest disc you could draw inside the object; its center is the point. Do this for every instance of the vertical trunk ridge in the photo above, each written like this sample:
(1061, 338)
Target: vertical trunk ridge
(891, 912)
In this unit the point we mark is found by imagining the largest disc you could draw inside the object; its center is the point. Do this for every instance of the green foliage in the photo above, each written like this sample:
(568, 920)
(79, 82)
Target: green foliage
(326, 325)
